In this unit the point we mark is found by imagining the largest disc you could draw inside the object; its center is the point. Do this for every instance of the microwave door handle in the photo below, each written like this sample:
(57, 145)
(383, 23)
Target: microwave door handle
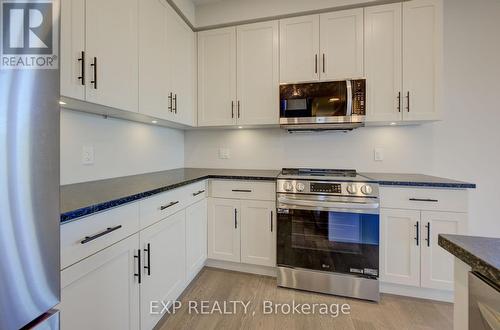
(349, 98)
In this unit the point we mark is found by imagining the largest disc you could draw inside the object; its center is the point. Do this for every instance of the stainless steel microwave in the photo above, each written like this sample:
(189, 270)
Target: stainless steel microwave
(333, 105)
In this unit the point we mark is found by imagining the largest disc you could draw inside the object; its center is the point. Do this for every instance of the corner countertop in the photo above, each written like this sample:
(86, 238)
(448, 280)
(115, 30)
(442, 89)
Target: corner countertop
(83, 199)
(482, 254)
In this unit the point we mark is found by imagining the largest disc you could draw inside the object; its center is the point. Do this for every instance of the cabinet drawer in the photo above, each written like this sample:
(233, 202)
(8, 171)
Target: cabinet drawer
(160, 206)
(454, 200)
(243, 190)
(195, 192)
(82, 238)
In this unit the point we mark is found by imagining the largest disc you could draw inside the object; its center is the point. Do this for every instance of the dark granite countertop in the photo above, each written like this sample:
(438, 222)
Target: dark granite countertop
(482, 254)
(415, 180)
(83, 199)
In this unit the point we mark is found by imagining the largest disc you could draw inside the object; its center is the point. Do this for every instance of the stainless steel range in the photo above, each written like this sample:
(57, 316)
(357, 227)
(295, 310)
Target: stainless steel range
(328, 232)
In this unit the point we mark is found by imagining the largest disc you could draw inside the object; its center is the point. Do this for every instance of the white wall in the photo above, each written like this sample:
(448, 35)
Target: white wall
(228, 11)
(121, 147)
(464, 146)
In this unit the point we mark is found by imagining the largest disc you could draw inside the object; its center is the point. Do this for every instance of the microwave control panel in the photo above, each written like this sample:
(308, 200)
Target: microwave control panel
(359, 97)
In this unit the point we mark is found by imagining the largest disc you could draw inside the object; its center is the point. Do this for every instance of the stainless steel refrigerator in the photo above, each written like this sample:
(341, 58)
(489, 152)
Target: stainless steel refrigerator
(29, 164)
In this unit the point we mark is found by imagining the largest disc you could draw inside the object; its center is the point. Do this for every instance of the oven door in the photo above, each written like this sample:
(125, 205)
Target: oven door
(333, 235)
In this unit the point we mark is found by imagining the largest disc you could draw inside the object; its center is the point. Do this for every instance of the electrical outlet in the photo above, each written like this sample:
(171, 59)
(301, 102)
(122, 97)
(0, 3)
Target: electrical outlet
(224, 153)
(88, 155)
(378, 154)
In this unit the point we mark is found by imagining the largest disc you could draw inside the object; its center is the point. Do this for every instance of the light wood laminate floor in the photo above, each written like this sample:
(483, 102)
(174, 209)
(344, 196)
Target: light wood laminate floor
(392, 312)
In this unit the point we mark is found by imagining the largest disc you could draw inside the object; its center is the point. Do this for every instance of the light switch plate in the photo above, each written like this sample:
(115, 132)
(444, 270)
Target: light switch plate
(88, 155)
(224, 153)
(378, 154)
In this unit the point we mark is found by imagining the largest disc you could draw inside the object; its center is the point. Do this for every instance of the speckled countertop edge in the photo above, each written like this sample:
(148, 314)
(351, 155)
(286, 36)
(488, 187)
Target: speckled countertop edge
(476, 262)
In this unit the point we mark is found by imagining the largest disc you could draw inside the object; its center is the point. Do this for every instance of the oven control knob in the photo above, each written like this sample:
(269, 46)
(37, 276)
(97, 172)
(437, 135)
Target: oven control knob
(367, 190)
(287, 186)
(300, 186)
(352, 189)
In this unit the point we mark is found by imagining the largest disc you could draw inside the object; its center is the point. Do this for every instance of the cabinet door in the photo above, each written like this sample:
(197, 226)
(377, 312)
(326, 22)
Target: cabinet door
(383, 62)
(196, 238)
(341, 44)
(72, 47)
(101, 292)
(111, 38)
(166, 259)
(422, 59)
(224, 229)
(154, 76)
(399, 246)
(299, 49)
(181, 62)
(437, 264)
(258, 73)
(258, 233)
(217, 77)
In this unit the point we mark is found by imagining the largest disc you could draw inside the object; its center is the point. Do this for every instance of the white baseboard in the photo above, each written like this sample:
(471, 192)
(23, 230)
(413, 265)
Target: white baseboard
(410, 291)
(240, 267)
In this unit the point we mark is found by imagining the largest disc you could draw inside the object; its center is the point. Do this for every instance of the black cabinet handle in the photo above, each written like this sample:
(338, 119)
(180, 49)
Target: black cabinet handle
(271, 221)
(316, 63)
(94, 64)
(238, 109)
(235, 219)
(163, 207)
(148, 267)
(93, 237)
(324, 63)
(399, 101)
(408, 99)
(242, 190)
(232, 109)
(199, 192)
(82, 68)
(138, 258)
(424, 200)
(428, 239)
(170, 102)
(417, 231)
(175, 103)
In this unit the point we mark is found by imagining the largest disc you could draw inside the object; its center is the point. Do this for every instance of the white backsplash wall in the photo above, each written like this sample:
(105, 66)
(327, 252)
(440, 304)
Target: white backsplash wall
(120, 147)
(464, 146)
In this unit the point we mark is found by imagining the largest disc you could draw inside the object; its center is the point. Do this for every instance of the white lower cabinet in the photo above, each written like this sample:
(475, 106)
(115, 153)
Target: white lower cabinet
(242, 231)
(409, 251)
(101, 292)
(223, 229)
(258, 233)
(164, 266)
(196, 238)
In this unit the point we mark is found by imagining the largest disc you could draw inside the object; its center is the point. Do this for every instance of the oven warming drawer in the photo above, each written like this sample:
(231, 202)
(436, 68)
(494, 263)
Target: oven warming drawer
(327, 282)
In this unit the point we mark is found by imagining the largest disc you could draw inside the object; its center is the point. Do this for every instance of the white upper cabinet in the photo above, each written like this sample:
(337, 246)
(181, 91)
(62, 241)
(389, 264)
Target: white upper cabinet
(436, 263)
(154, 78)
(257, 74)
(73, 78)
(422, 59)
(182, 68)
(299, 49)
(341, 45)
(217, 77)
(112, 56)
(383, 62)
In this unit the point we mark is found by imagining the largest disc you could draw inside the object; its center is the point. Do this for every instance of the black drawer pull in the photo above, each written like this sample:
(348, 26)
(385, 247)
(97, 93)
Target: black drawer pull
(428, 239)
(242, 190)
(424, 200)
(93, 237)
(163, 207)
(199, 192)
(148, 267)
(138, 274)
(417, 232)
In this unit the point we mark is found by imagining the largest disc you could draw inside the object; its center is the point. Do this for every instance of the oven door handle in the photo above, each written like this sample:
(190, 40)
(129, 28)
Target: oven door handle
(331, 205)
